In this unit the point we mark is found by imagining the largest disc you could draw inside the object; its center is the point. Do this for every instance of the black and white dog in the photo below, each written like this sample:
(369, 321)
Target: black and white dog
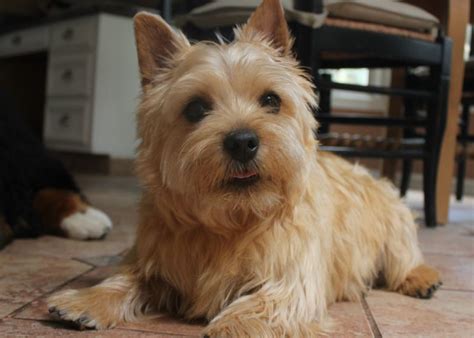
(37, 194)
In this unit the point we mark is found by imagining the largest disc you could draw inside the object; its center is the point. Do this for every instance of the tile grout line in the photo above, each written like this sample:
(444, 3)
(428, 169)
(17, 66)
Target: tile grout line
(84, 262)
(21, 308)
(108, 264)
(370, 318)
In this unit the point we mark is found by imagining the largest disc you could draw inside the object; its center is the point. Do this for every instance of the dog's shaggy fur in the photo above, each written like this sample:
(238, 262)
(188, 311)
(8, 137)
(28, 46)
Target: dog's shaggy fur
(262, 259)
(37, 194)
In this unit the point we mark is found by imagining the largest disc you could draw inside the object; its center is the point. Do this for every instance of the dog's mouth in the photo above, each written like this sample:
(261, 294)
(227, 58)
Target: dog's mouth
(244, 178)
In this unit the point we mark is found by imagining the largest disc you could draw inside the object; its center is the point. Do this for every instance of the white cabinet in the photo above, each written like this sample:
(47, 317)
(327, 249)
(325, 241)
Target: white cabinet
(92, 82)
(24, 41)
(71, 74)
(67, 124)
(77, 34)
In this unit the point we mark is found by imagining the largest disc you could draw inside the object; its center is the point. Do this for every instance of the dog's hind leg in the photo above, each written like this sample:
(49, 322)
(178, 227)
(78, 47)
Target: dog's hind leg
(65, 212)
(116, 299)
(404, 270)
(421, 282)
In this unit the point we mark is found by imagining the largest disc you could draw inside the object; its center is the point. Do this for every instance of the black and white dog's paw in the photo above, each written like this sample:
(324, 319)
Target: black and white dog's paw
(89, 224)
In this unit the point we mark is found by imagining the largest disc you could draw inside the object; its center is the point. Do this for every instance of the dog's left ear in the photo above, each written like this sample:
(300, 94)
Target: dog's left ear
(269, 20)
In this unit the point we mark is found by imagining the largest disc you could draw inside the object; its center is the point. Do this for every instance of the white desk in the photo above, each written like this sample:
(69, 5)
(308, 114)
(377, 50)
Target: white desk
(92, 82)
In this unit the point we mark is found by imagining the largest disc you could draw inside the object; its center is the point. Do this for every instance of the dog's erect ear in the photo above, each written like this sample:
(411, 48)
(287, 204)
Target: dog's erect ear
(269, 19)
(156, 43)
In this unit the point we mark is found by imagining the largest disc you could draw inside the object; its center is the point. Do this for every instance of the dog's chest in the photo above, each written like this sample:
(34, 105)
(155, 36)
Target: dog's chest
(189, 262)
(206, 272)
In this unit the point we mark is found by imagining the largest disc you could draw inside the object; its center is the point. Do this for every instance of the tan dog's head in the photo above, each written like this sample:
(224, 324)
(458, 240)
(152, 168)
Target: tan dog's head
(225, 127)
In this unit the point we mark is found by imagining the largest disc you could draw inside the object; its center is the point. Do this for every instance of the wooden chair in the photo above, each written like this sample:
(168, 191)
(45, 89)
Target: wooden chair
(465, 148)
(465, 140)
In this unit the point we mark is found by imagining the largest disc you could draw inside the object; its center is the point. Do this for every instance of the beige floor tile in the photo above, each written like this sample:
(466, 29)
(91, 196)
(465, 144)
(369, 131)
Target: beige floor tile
(50, 246)
(349, 320)
(103, 261)
(447, 314)
(451, 239)
(166, 325)
(29, 328)
(24, 278)
(457, 272)
(460, 212)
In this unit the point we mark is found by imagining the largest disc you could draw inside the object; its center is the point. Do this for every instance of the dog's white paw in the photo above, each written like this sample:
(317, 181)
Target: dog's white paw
(90, 224)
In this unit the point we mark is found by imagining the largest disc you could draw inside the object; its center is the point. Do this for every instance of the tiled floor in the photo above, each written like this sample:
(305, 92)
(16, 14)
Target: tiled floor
(32, 269)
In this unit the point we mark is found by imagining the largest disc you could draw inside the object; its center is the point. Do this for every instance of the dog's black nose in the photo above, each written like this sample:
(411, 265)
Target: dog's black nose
(241, 144)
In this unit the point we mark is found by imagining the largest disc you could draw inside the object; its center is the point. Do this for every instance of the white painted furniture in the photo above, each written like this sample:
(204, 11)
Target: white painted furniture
(92, 82)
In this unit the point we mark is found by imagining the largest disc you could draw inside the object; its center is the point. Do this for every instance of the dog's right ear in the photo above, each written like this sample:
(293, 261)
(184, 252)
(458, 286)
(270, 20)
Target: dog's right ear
(156, 43)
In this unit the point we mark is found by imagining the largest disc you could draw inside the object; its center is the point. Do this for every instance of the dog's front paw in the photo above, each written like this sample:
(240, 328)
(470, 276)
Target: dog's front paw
(88, 224)
(77, 308)
(421, 282)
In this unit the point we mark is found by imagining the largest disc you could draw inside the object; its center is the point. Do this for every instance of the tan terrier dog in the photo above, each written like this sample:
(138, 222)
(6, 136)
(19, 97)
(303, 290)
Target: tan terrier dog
(242, 221)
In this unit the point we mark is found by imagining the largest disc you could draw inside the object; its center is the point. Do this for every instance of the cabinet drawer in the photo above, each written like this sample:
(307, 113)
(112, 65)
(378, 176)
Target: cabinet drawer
(67, 124)
(70, 75)
(24, 41)
(75, 34)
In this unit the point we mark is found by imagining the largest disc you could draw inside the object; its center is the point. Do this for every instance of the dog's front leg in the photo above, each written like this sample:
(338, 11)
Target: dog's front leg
(117, 299)
(273, 311)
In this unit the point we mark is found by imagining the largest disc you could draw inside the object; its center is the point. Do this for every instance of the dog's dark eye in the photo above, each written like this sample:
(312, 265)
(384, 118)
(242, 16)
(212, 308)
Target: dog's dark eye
(271, 100)
(196, 110)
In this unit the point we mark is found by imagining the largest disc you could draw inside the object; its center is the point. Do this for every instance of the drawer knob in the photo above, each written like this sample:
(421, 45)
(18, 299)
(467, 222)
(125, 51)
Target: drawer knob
(16, 40)
(64, 121)
(67, 75)
(68, 34)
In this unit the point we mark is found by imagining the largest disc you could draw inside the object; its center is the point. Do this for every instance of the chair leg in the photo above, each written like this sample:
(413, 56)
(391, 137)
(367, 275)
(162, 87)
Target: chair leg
(460, 177)
(429, 189)
(464, 133)
(410, 111)
(406, 175)
(325, 103)
(437, 113)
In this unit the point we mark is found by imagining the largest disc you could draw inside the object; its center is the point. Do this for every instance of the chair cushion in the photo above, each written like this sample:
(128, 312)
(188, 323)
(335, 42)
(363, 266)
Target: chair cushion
(386, 12)
(231, 12)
